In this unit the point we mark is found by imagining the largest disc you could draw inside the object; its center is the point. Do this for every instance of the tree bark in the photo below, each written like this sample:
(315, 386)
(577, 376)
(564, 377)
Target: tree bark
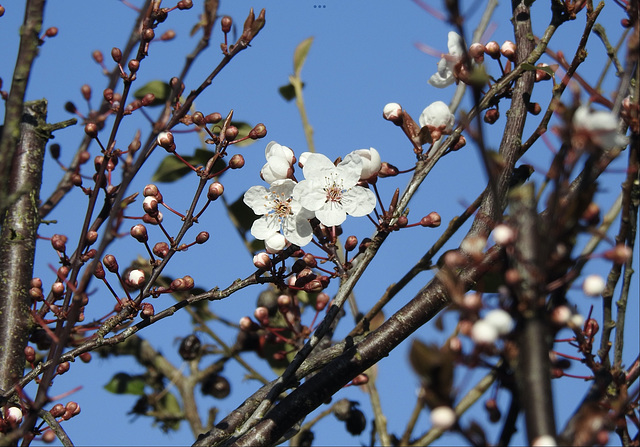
(17, 242)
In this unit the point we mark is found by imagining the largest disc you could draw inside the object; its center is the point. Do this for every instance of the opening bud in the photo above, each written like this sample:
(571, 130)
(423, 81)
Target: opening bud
(393, 112)
(262, 261)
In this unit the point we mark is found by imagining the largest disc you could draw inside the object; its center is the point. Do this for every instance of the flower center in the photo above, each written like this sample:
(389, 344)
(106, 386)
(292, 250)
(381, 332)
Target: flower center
(282, 207)
(334, 191)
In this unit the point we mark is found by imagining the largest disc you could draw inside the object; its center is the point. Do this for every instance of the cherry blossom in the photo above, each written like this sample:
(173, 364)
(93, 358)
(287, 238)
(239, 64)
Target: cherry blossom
(279, 164)
(280, 211)
(444, 76)
(601, 127)
(331, 191)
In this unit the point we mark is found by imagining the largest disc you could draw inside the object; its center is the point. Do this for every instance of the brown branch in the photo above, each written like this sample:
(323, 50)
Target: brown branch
(29, 41)
(18, 240)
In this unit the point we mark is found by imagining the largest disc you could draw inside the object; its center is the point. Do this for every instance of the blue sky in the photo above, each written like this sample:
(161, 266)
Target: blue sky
(363, 56)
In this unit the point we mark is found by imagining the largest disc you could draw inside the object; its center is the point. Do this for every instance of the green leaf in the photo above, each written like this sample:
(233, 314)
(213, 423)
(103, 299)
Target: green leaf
(243, 130)
(123, 383)
(172, 168)
(161, 90)
(242, 215)
(528, 67)
(300, 55)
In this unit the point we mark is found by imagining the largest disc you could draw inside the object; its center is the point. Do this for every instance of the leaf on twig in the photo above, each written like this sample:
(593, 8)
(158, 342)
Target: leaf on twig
(300, 55)
(123, 383)
(160, 89)
(172, 169)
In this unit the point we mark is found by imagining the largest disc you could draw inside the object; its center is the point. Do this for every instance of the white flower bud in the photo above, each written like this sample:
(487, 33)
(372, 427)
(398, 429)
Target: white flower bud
(438, 116)
(483, 332)
(504, 234)
(392, 112)
(501, 320)
(136, 277)
(443, 417)
(262, 261)
(14, 415)
(544, 441)
(593, 285)
(150, 204)
(561, 315)
(577, 321)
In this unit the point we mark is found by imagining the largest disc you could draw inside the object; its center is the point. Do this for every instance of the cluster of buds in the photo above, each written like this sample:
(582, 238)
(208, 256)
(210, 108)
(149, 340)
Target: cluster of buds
(152, 197)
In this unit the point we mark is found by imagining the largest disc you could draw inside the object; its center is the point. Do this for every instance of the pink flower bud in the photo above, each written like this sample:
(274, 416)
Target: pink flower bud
(150, 191)
(476, 51)
(215, 190)
(165, 139)
(492, 49)
(262, 315)
(262, 261)
(139, 233)
(431, 220)
(508, 50)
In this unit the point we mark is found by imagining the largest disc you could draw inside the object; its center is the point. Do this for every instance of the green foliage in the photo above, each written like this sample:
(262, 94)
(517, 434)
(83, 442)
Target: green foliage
(123, 383)
(243, 216)
(172, 168)
(161, 90)
(300, 55)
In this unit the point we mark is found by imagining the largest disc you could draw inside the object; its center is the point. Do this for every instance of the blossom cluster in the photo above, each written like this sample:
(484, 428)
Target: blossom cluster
(329, 192)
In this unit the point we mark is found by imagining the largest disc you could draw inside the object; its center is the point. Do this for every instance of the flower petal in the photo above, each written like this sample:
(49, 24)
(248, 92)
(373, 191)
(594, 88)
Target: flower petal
(310, 197)
(359, 201)
(331, 215)
(264, 227)
(256, 199)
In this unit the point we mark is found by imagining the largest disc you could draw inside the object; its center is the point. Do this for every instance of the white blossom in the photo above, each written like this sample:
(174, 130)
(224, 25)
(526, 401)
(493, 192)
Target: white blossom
(371, 162)
(331, 192)
(279, 164)
(280, 211)
(444, 76)
(601, 127)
